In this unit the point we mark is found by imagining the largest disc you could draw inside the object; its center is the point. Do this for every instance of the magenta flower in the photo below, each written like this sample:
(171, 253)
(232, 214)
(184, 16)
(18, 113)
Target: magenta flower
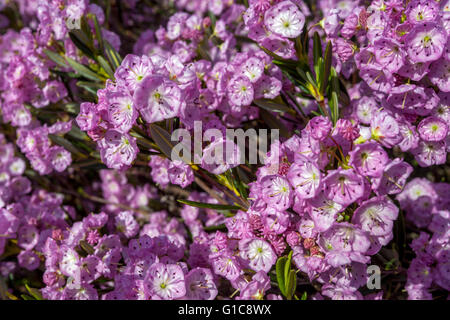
(430, 153)
(240, 91)
(165, 281)
(121, 111)
(157, 98)
(258, 253)
(369, 159)
(200, 285)
(439, 74)
(276, 192)
(426, 42)
(118, 150)
(389, 53)
(285, 19)
(344, 186)
(324, 212)
(305, 178)
(393, 178)
(432, 129)
(376, 216)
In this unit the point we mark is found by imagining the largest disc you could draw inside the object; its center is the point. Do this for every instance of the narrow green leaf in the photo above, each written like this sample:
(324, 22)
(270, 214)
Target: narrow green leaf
(162, 138)
(287, 268)
(35, 293)
(105, 65)
(278, 58)
(279, 268)
(56, 58)
(292, 285)
(86, 247)
(317, 48)
(270, 105)
(113, 56)
(274, 123)
(81, 42)
(84, 71)
(27, 297)
(304, 296)
(327, 67)
(333, 101)
(98, 34)
(209, 205)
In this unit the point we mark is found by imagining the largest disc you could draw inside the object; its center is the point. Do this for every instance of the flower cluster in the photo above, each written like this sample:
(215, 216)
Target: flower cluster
(426, 206)
(401, 52)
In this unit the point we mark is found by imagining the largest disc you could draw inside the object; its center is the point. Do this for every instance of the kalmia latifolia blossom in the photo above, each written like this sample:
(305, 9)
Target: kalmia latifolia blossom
(95, 99)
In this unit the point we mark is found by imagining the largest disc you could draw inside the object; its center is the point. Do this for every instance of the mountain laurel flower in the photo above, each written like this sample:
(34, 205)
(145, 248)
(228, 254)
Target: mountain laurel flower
(305, 178)
(430, 153)
(121, 111)
(376, 216)
(285, 19)
(419, 11)
(126, 224)
(200, 284)
(344, 186)
(393, 178)
(389, 53)
(276, 192)
(240, 91)
(165, 281)
(60, 158)
(158, 98)
(88, 117)
(440, 74)
(368, 159)
(259, 253)
(426, 42)
(432, 129)
(133, 70)
(117, 149)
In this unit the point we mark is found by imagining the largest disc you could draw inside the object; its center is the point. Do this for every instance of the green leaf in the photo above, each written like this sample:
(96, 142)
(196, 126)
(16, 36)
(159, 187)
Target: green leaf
(35, 293)
(317, 48)
(278, 58)
(113, 56)
(163, 139)
(56, 58)
(98, 34)
(84, 71)
(291, 286)
(304, 296)
(270, 105)
(209, 205)
(82, 42)
(26, 297)
(274, 123)
(327, 67)
(86, 247)
(279, 268)
(105, 65)
(287, 267)
(333, 100)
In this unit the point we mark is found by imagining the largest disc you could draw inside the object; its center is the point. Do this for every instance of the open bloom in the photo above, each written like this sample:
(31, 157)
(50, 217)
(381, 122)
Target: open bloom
(158, 98)
(165, 281)
(259, 253)
(285, 19)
